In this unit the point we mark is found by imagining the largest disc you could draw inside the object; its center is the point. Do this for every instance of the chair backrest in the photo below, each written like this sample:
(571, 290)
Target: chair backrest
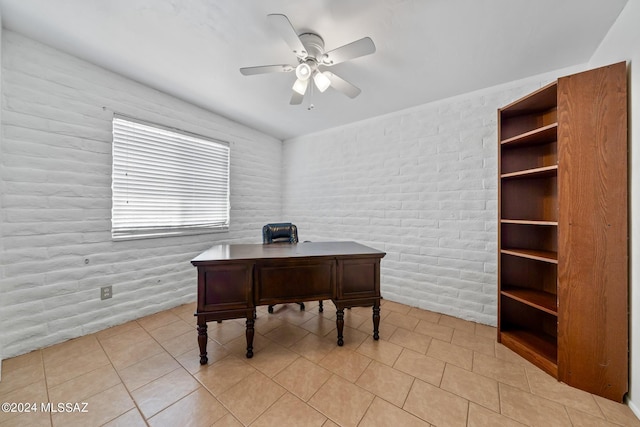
(283, 232)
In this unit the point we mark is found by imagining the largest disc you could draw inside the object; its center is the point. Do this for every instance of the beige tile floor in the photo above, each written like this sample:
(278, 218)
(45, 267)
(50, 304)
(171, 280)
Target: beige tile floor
(427, 369)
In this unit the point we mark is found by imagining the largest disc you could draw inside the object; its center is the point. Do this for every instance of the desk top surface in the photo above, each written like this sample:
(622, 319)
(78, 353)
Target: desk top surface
(238, 252)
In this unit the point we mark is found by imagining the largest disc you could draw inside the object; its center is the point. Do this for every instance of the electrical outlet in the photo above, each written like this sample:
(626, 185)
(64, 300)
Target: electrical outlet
(105, 292)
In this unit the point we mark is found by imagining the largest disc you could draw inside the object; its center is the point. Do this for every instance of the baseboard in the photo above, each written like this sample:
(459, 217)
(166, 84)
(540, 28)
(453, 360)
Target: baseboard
(634, 408)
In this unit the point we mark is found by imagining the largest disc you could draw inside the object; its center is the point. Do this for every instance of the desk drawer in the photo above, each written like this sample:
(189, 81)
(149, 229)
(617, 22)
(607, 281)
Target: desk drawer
(293, 280)
(358, 278)
(224, 287)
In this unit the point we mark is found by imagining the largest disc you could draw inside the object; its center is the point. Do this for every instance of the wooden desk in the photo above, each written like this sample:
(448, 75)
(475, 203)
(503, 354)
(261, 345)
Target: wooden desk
(234, 279)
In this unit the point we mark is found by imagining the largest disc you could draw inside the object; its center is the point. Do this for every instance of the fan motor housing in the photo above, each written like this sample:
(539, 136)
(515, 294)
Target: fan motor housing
(313, 43)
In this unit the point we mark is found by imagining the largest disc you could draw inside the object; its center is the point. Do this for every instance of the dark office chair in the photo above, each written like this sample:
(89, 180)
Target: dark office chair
(283, 232)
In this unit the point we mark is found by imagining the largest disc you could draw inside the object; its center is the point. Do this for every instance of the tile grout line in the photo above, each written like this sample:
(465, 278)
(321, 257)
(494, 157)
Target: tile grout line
(46, 384)
(475, 363)
(122, 382)
(180, 366)
(257, 370)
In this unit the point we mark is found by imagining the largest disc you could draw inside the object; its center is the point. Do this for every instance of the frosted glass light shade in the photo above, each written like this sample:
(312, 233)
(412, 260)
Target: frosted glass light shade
(303, 71)
(300, 86)
(322, 82)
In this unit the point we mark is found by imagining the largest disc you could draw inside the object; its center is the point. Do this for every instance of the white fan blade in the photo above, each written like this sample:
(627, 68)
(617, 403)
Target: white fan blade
(342, 85)
(296, 98)
(300, 86)
(284, 68)
(349, 51)
(282, 24)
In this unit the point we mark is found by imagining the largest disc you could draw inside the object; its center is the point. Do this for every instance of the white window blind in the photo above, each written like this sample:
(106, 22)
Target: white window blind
(167, 182)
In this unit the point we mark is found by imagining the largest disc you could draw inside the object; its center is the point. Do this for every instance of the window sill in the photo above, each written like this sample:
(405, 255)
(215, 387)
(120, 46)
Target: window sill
(144, 234)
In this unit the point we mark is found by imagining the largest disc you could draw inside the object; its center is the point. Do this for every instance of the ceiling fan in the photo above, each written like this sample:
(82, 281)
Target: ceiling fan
(309, 50)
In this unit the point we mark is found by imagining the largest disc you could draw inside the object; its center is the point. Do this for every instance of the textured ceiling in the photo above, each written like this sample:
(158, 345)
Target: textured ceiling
(426, 49)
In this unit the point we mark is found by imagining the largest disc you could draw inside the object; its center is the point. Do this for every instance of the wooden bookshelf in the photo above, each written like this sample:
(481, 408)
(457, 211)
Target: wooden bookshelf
(562, 234)
(545, 171)
(540, 300)
(542, 135)
(544, 256)
(527, 222)
(540, 349)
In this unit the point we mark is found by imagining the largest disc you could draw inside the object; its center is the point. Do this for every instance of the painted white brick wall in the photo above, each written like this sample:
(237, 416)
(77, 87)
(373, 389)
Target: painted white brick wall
(420, 184)
(55, 193)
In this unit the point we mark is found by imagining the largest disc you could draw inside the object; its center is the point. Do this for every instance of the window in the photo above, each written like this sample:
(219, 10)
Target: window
(167, 182)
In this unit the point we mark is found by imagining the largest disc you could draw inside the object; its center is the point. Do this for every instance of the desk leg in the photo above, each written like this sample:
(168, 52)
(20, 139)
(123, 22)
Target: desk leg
(340, 325)
(202, 340)
(376, 320)
(250, 330)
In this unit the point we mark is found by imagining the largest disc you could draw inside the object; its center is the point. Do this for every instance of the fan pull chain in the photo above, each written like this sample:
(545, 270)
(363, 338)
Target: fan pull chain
(311, 106)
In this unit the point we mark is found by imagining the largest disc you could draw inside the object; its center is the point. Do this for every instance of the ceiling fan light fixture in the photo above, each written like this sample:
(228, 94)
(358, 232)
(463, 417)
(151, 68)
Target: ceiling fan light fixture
(303, 71)
(300, 86)
(310, 54)
(321, 80)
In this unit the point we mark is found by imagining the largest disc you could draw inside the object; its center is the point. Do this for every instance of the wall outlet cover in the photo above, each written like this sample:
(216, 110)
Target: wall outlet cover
(106, 292)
